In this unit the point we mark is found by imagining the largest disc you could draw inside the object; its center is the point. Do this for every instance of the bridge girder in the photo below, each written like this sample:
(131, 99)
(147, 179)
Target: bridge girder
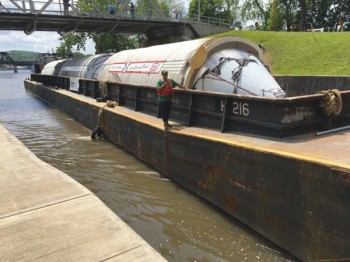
(5, 59)
(162, 30)
(152, 29)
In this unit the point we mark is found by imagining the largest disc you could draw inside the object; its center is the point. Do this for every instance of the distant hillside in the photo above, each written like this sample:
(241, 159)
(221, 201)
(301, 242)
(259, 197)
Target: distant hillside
(18, 55)
(303, 53)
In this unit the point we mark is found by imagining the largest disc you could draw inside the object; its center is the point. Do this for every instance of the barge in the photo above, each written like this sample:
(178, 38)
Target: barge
(278, 165)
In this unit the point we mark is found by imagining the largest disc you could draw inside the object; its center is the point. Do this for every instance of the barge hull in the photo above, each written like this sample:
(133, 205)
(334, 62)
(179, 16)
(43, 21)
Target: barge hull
(296, 198)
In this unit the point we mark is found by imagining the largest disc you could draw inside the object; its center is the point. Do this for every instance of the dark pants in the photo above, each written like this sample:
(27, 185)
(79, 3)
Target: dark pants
(164, 109)
(65, 8)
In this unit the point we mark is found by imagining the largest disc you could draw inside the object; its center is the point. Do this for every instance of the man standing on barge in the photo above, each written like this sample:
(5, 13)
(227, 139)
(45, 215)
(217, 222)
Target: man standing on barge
(165, 89)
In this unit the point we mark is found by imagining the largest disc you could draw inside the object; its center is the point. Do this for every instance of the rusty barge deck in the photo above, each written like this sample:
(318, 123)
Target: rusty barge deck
(294, 191)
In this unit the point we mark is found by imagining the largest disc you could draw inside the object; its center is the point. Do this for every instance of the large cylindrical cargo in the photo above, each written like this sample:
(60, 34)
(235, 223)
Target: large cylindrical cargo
(221, 64)
(53, 68)
(85, 67)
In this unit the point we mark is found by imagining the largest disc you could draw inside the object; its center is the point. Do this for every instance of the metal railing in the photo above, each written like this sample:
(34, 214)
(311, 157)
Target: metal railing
(56, 7)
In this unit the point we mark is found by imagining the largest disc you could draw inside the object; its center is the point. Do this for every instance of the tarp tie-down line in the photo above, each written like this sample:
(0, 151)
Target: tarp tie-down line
(216, 77)
(216, 71)
(236, 73)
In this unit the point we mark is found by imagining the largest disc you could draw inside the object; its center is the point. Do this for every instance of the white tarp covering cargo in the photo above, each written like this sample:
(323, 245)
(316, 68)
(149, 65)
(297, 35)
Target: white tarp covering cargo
(85, 67)
(236, 71)
(222, 64)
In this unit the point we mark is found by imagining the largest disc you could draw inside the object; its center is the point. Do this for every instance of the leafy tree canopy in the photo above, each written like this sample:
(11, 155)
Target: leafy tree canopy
(214, 9)
(110, 42)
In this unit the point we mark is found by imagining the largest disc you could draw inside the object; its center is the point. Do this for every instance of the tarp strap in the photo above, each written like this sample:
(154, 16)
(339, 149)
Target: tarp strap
(236, 73)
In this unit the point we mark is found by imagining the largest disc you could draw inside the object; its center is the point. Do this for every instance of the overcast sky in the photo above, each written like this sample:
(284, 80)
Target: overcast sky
(41, 42)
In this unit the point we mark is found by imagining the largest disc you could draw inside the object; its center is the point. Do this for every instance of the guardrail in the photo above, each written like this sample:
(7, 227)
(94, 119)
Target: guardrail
(122, 12)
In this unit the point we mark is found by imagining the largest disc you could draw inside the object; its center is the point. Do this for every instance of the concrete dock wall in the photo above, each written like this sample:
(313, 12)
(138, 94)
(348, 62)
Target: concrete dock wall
(47, 216)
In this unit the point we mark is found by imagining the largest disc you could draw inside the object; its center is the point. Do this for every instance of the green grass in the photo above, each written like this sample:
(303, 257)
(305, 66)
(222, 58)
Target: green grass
(303, 53)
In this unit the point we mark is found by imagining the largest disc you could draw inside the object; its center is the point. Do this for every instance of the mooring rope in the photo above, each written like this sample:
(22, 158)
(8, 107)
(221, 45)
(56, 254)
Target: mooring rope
(98, 131)
(332, 102)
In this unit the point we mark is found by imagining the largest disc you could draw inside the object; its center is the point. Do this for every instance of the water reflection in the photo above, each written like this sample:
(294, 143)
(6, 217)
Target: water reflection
(176, 223)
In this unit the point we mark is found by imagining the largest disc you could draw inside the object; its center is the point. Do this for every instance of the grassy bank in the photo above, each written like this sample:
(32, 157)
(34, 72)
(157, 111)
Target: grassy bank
(295, 53)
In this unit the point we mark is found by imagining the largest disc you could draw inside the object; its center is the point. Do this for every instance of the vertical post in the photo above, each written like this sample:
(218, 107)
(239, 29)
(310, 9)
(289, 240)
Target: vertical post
(224, 115)
(137, 99)
(199, 11)
(274, 15)
(31, 7)
(24, 8)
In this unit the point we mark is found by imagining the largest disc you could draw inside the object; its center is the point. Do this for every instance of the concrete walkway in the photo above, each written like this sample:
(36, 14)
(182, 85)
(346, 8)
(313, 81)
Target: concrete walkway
(47, 216)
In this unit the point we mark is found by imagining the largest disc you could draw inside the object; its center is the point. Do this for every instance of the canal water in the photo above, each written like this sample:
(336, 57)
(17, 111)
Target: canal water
(179, 225)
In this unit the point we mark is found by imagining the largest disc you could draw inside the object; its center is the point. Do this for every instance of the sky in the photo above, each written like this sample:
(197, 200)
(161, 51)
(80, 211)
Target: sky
(41, 42)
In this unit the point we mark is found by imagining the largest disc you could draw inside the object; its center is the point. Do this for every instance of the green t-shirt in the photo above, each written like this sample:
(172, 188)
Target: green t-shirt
(159, 84)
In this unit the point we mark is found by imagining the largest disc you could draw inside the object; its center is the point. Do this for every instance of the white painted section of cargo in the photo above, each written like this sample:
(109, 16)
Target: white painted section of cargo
(52, 68)
(142, 66)
(192, 64)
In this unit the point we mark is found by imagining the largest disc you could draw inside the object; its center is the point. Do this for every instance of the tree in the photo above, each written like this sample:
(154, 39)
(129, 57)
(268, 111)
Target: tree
(111, 43)
(68, 42)
(152, 8)
(323, 13)
(288, 10)
(317, 13)
(174, 7)
(237, 25)
(302, 17)
(276, 21)
(297, 14)
(328, 13)
(230, 10)
(214, 10)
(256, 10)
(104, 43)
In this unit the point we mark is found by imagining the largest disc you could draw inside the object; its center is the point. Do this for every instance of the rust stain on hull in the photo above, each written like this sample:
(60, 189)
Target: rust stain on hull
(294, 191)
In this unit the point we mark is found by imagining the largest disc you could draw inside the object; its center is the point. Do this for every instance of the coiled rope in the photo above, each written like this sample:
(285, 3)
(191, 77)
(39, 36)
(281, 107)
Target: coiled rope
(331, 103)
